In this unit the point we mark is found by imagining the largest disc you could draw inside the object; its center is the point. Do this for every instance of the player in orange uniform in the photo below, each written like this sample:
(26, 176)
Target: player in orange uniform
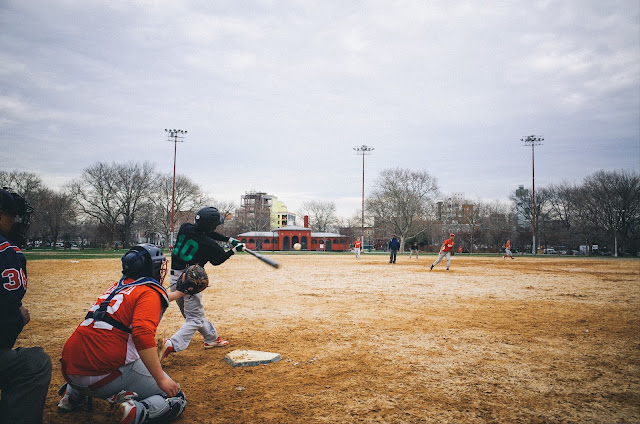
(356, 246)
(445, 251)
(507, 250)
(112, 354)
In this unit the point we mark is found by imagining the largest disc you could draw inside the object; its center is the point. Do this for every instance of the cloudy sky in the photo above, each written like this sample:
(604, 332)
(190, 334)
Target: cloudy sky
(276, 94)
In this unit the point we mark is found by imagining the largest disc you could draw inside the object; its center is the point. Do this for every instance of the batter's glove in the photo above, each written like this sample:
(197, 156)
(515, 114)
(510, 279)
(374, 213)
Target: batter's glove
(193, 280)
(233, 242)
(238, 247)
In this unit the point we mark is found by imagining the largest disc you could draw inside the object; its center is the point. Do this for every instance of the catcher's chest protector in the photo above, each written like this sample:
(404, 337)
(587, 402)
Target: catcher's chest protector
(101, 314)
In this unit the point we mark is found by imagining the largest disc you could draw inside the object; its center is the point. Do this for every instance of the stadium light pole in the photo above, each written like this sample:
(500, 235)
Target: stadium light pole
(363, 150)
(174, 136)
(533, 140)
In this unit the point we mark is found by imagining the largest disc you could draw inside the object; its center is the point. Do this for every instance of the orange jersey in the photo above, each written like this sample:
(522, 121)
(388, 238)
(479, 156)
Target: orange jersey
(97, 348)
(447, 245)
(508, 246)
(357, 244)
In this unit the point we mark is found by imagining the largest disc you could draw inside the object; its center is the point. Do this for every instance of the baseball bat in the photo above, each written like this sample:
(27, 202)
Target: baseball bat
(263, 258)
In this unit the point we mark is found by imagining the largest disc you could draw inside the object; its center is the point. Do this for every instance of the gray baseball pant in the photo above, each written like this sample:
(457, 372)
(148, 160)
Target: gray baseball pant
(192, 309)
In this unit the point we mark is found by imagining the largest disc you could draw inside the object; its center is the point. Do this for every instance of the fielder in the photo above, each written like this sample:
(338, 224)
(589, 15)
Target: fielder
(507, 250)
(196, 244)
(112, 354)
(445, 251)
(356, 246)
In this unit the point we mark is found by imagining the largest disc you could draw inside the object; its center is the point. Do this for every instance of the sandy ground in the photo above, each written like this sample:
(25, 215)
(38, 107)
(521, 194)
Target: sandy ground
(530, 340)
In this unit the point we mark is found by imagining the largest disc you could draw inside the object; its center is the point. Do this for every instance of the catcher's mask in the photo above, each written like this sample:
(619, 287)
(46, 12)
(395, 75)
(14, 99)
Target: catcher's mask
(144, 260)
(207, 219)
(15, 205)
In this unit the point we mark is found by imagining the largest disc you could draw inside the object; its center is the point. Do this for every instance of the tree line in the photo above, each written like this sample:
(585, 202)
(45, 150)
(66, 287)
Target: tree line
(119, 203)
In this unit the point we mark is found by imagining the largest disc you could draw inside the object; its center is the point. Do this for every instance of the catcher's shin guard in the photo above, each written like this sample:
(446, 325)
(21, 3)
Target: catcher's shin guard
(167, 410)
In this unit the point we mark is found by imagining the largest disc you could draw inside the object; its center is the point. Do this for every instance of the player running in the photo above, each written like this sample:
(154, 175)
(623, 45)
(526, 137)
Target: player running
(197, 244)
(445, 251)
(507, 250)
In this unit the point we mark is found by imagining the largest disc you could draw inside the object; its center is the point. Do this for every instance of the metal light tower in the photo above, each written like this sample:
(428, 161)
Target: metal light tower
(533, 140)
(363, 150)
(174, 136)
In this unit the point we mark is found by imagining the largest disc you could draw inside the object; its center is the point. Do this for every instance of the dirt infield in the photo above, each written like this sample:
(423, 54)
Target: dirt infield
(530, 340)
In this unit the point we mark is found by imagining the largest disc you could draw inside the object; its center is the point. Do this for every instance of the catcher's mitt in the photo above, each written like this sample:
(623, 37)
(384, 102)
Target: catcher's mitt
(193, 280)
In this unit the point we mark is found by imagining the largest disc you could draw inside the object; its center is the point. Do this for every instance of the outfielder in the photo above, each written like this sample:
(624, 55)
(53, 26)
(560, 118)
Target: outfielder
(112, 354)
(197, 244)
(445, 251)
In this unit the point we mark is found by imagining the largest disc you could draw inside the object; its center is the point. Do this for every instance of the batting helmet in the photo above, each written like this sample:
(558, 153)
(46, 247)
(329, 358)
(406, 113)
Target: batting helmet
(207, 219)
(144, 260)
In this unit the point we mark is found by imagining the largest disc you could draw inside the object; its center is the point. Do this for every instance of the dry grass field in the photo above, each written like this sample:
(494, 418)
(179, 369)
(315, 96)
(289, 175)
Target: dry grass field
(530, 340)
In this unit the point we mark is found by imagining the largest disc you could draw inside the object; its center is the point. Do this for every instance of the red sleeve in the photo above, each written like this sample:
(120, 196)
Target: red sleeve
(146, 318)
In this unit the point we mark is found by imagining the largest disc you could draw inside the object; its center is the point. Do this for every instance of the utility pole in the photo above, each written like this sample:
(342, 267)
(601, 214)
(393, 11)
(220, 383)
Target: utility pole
(363, 150)
(533, 140)
(174, 136)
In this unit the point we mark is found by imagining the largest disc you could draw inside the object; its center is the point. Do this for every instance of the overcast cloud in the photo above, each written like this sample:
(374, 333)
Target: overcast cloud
(275, 94)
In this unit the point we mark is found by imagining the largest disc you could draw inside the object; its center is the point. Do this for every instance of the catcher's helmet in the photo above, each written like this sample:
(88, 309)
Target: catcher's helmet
(12, 203)
(144, 260)
(207, 219)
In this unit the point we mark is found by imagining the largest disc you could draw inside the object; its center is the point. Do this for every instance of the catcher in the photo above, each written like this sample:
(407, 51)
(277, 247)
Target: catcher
(197, 243)
(112, 354)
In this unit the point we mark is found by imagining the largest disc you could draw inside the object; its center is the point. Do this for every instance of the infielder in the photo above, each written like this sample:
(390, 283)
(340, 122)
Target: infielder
(197, 244)
(356, 246)
(112, 354)
(507, 250)
(445, 251)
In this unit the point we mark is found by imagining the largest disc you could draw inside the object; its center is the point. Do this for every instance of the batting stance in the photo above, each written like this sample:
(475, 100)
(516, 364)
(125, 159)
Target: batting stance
(25, 372)
(112, 354)
(445, 251)
(197, 244)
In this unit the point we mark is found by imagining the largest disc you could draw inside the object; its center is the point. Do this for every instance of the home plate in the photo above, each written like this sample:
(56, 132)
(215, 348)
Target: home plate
(250, 358)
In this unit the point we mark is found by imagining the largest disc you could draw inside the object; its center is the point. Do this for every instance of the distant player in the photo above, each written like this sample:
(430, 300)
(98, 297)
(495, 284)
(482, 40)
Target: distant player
(507, 250)
(413, 250)
(445, 251)
(356, 246)
(394, 246)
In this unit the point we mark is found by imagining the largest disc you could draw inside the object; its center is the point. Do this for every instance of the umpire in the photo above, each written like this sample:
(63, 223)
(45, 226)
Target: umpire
(25, 373)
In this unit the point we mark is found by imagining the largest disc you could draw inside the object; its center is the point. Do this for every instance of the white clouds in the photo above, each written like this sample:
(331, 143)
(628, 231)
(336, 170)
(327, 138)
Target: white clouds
(262, 84)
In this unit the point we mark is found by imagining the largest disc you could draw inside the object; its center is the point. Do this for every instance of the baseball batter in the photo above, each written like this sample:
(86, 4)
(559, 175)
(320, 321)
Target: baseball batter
(445, 251)
(197, 244)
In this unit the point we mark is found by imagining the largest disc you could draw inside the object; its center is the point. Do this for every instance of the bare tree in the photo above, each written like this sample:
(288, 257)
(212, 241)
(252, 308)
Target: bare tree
(322, 215)
(400, 199)
(611, 201)
(188, 198)
(27, 184)
(114, 194)
(56, 214)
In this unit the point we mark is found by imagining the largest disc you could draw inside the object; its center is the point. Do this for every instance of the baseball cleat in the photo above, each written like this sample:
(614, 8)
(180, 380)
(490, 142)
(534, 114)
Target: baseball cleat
(66, 402)
(216, 343)
(167, 349)
(431, 268)
(127, 411)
